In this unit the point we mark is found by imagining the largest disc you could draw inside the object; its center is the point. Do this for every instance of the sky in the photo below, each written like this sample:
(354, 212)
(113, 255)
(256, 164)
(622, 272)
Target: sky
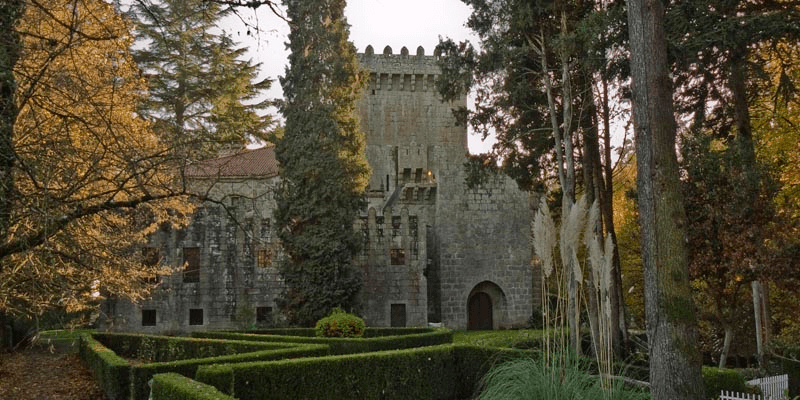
(379, 23)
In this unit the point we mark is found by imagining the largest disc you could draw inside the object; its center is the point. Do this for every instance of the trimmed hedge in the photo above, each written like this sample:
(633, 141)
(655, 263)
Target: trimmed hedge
(437, 372)
(346, 345)
(172, 386)
(120, 380)
(111, 371)
(153, 348)
(141, 374)
(717, 379)
(369, 332)
(340, 324)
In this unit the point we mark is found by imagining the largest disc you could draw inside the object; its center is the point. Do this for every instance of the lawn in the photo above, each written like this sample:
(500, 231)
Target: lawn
(520, 339)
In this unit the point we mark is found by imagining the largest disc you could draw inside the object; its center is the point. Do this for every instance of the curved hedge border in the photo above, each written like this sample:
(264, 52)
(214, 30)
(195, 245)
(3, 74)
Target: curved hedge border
(121, 380)
(111, 371)
(172, 386)
(429, 337)
(436, 372)
(153, 348)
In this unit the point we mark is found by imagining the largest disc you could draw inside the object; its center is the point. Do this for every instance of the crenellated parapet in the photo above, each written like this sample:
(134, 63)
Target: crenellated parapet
(401, 72)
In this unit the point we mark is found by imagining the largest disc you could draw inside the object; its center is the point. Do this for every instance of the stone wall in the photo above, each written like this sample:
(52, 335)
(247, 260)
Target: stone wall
(230, 238)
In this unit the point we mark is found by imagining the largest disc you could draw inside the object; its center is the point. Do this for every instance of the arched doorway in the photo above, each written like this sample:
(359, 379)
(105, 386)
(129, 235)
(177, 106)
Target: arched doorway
(486, 306)
(480, 312)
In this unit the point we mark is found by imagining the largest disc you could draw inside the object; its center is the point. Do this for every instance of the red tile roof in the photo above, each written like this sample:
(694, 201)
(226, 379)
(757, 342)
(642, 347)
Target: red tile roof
(257, 162)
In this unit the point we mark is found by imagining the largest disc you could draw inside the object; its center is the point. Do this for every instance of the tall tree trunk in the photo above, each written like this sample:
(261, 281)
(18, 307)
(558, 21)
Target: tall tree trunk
(758, 314)
(671, 320)
(593, 187)
(620, 334)
(726, 346)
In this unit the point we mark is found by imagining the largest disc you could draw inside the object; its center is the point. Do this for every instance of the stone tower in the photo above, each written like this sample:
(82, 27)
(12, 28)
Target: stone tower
(473, 251)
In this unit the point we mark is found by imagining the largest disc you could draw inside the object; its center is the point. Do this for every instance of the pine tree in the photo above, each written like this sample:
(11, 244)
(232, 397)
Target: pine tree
(323, 165)
(201, 91)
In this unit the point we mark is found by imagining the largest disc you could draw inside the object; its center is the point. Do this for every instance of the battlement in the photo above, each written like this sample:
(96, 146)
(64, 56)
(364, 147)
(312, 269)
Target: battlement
(418, 67)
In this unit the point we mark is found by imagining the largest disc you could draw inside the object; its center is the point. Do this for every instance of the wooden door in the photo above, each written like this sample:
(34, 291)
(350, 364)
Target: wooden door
(480, 312)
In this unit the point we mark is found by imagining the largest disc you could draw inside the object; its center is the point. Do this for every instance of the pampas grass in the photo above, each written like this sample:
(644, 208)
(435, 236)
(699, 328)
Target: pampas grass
(544, 236)
(535, 379)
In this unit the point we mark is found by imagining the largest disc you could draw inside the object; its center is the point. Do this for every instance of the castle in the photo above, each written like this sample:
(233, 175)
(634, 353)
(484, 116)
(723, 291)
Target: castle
(434, 249)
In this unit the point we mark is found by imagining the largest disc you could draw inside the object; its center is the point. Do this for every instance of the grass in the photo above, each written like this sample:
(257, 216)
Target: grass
(519, 339)
(64, 339)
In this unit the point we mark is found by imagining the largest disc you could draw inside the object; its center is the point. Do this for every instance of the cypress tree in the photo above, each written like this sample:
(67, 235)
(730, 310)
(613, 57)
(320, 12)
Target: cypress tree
(322, 164)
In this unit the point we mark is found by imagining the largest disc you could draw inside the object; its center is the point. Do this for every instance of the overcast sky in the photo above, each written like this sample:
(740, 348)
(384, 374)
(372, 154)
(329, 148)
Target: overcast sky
(396, 23)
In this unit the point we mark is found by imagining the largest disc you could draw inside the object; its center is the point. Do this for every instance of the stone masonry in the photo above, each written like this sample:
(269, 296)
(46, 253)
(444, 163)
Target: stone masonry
(434, 250)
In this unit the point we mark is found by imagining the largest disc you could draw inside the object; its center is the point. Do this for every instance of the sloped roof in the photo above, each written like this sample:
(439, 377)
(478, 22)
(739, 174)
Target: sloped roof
(256, 162)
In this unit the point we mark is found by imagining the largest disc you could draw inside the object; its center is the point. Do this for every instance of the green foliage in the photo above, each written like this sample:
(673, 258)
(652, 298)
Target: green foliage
(172, 386)
(718, 379)
(437, 372)
(150, 348)
(375, 340)
(529, 378)
(789, 362)
(219, 376)
(111, 371)
(340, 324)
(201, 90)
(323, 164)
(517, 339)
(245, 316)
(171, 354)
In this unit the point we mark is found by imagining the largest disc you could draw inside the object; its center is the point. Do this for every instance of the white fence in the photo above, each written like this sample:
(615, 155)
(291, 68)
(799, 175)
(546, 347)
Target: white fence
(772, 388)
(727, 395)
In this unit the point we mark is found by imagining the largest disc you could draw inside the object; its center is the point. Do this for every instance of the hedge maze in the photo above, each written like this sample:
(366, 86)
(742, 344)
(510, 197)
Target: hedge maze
(388, 363)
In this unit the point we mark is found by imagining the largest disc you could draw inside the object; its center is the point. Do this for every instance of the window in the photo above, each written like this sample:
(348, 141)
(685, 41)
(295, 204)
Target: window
(398, 256)
(265, 227)
(398, 316)
(196, 316)
(364, 236)
(379, 228)
(406, 174)
(418, 175)
(413, 227)
(191, 262)
(148, 317)
(151, 257)
(396, 223)
(263, 258)
(264, 314)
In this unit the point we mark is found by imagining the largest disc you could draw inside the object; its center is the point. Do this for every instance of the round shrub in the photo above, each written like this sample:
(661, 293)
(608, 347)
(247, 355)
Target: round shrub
(340, 324)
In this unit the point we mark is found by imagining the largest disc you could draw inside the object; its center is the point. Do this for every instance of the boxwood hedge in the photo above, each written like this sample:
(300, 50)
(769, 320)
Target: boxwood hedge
(121, 380)
(346, 345)
(437, 372)
(172, 386)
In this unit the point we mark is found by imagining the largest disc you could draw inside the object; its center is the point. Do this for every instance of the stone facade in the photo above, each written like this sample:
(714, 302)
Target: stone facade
(434, 250)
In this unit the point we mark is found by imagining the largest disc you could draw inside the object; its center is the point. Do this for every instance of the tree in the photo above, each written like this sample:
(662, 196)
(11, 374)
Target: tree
(671, 322)
(322, 161)
(726, 239)
(87, 180)
(534, 81)
(201, 93)
(719, 52)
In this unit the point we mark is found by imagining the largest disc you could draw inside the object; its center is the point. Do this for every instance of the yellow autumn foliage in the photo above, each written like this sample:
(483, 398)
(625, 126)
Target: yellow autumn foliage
(91, 178)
